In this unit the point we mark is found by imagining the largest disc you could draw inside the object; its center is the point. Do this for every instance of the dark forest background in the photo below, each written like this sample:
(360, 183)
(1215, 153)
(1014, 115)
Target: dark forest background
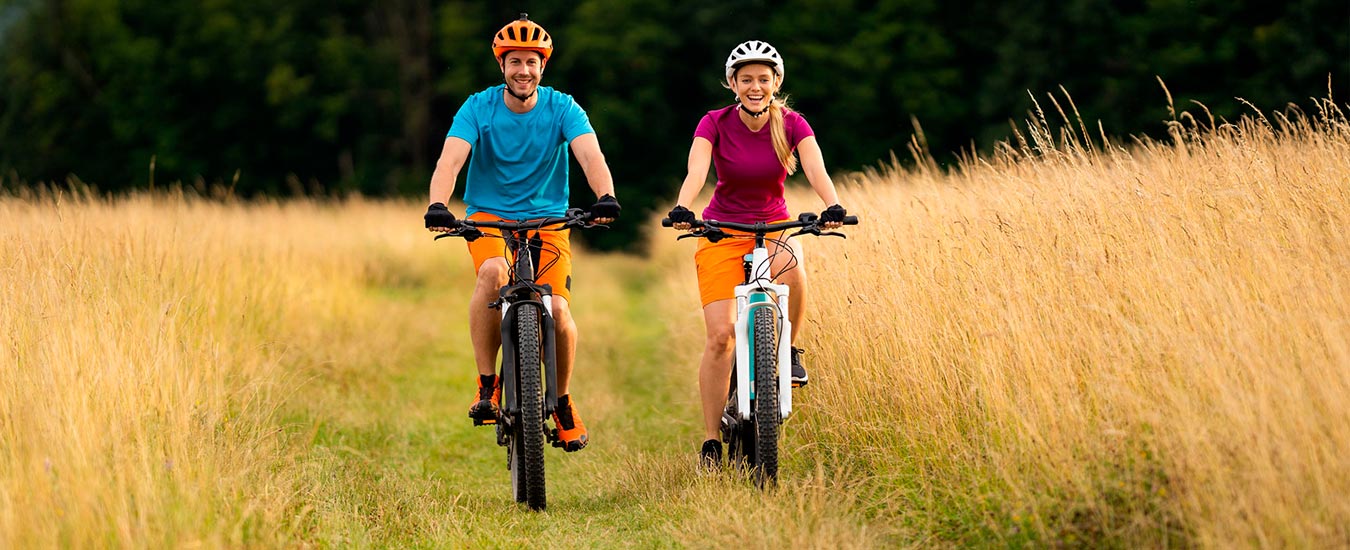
(344, 96)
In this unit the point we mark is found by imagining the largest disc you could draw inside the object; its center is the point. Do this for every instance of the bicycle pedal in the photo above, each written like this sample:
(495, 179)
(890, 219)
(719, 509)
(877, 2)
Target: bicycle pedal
(490, 422)
(552, 436)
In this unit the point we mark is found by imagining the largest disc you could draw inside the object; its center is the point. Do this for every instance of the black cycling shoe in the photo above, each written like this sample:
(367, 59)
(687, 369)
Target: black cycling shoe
(710, 457)
(799, 378)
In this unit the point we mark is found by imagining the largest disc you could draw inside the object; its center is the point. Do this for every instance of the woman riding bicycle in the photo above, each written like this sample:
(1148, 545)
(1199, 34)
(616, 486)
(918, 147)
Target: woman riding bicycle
(750, 143)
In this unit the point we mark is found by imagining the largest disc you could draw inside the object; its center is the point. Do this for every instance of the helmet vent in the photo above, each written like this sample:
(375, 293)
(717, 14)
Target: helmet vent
(521, 34)
(754, 51)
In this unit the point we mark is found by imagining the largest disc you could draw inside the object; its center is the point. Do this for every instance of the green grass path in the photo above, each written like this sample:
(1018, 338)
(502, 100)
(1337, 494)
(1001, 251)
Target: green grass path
(391, 459)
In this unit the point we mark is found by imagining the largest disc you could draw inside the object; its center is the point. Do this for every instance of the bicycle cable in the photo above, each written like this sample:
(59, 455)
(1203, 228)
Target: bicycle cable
(510, 258)
(782, 246)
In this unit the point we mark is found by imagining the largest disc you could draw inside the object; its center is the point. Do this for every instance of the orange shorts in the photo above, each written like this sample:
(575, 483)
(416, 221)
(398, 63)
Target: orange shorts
(557, 250)
(721, 264)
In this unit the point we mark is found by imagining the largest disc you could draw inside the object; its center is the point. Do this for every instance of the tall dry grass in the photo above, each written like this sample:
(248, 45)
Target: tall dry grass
(1074, 342)
(148, 343)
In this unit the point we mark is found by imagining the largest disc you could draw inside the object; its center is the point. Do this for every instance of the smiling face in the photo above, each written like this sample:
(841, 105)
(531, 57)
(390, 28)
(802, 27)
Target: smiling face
(522, 70)
(754, 85)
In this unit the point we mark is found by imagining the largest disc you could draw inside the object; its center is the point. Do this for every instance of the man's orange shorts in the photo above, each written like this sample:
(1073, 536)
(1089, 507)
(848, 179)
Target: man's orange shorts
(720, 264)
(557, 250)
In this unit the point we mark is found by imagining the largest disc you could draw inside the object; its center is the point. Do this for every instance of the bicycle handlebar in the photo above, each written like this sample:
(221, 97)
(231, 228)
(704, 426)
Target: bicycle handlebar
(805, 219)
(467, 228)
(807, 223)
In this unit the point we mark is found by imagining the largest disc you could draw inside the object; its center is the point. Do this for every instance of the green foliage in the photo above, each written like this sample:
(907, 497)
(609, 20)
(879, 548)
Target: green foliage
(266, 89)
(356, 96)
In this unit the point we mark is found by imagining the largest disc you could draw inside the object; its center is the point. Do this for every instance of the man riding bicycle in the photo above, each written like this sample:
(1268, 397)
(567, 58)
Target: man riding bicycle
(515, 137)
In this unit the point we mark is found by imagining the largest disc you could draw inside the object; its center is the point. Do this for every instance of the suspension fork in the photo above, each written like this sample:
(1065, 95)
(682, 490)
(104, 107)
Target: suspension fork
(548, 352)
(759, 292)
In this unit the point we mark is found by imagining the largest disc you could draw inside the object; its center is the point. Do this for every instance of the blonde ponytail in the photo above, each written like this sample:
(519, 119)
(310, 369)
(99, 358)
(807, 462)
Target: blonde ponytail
(777, 110)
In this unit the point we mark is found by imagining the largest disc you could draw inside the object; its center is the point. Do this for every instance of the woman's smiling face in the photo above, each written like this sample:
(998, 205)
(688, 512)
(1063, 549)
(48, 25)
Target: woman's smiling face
(754, 85)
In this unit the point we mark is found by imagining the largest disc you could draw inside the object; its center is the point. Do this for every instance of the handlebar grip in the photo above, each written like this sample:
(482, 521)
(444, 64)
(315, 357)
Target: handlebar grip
(850, 220)
(665, 222)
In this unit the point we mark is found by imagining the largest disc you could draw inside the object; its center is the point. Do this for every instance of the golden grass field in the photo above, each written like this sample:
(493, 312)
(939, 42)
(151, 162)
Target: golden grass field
(1068, 343)
(149, 342)
(1147, 345)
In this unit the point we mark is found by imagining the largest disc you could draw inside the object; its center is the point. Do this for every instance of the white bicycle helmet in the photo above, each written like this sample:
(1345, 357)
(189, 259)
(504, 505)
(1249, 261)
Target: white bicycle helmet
(754, 51)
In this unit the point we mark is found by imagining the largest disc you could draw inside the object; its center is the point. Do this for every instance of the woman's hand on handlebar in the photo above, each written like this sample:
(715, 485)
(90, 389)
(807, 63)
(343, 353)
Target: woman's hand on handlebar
(833, 217)
(681, 218)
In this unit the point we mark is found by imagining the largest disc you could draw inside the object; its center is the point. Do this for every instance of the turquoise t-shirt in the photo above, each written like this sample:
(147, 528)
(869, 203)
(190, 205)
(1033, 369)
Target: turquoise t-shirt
(518, 165)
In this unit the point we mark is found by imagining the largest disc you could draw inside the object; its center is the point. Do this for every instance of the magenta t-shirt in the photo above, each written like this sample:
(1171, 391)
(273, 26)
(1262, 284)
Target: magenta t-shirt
(749, 175)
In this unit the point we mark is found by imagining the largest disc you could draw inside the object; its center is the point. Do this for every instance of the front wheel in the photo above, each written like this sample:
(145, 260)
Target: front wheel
(767, 417)
(527, 445)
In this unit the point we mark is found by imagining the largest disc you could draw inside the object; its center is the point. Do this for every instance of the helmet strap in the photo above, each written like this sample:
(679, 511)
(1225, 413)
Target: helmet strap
(754, 114)
(522, 98)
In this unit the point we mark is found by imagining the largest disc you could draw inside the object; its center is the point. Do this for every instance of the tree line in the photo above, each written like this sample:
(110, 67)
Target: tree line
(348, 96)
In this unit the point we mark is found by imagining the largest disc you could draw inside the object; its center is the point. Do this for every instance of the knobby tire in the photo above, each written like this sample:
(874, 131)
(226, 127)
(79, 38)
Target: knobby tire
(768, 418)
(529, 434)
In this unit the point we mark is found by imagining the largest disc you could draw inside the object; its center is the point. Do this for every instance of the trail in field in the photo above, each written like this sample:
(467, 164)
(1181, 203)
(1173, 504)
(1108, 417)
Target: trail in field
(394, 460)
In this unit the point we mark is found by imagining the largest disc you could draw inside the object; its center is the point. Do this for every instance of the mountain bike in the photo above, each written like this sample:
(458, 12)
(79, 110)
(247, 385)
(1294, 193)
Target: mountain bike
(760, 396)
(528, 370)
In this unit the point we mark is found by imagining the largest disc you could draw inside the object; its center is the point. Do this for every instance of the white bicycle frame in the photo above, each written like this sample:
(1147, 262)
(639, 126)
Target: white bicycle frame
(760, 283)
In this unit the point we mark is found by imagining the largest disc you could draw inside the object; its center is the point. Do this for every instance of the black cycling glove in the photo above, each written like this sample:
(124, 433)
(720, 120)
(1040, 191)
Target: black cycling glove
(439, 216)
(606, 207)
(680, 214)
(834, 213)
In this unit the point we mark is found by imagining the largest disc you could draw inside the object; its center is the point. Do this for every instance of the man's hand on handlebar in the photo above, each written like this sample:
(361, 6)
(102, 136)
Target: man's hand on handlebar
(439, 219)
(605, 210)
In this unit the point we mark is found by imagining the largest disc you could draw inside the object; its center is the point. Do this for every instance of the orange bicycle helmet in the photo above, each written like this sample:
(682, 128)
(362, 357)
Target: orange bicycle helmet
(522, 34)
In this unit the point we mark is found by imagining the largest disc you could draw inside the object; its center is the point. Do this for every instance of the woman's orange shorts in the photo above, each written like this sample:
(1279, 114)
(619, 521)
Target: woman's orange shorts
(557, 250)
(720, 264)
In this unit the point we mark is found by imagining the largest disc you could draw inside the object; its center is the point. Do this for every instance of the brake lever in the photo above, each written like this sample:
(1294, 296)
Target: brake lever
(469, 234)
(815, 230)
(713, 234)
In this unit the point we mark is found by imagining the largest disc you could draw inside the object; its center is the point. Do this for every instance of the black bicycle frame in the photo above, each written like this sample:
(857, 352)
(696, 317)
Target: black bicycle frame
(522, 289)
